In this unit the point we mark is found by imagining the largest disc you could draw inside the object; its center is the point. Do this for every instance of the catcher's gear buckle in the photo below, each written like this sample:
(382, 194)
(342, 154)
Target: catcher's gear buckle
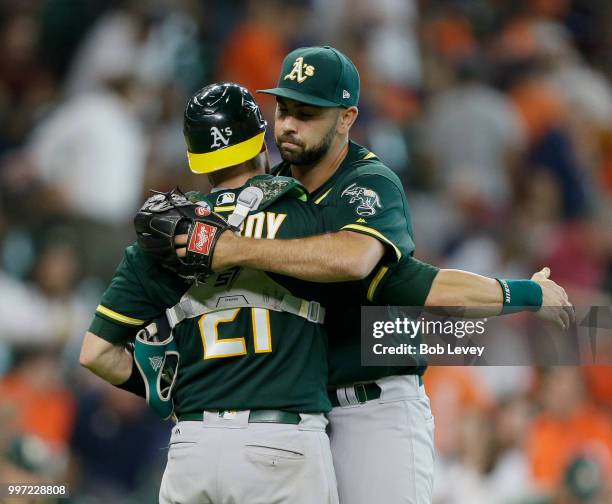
(314, 312)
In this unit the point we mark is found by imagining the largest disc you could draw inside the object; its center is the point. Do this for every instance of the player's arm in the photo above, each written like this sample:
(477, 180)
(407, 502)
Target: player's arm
(366, 221)
(465, 294)
(124, 309)
(331, 257)
(111, 362)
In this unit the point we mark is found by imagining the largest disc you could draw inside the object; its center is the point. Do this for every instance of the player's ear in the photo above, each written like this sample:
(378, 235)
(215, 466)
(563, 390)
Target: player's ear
(346, 119)
(260, 163)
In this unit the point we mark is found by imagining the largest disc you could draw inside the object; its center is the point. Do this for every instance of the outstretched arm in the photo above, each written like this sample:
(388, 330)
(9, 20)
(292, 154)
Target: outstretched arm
(464, 294)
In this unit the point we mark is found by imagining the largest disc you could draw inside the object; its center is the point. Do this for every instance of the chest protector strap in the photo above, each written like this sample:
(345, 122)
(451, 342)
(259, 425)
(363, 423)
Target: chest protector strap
(249, 289)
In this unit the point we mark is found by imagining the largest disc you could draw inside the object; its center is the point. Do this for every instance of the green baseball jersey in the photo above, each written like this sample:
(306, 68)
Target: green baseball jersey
(362, 196)
(238, 357)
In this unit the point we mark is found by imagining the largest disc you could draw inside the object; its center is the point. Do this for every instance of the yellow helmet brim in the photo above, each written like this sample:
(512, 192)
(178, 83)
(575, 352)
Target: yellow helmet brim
(227, 156)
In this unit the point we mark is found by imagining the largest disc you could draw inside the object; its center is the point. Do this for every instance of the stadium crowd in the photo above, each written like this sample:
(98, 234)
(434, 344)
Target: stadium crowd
(496, 115)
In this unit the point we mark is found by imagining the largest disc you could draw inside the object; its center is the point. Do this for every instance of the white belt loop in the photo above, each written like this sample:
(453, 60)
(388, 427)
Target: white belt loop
(351, 395)
(342, 399)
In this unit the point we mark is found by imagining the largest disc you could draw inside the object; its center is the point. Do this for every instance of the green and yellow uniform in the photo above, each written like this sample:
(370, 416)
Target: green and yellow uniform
(234, 358)
(365, 196)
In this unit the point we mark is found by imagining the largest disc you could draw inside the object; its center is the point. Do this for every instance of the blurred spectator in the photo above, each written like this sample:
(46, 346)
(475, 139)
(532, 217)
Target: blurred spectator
(511, 476)
(90, 155)
(91, 152)
(598, 380)
(253, 53)
(455, 392)
(474, 163)
(567, 426)
(118, 446)
(391, 40)
(464, 479)
(155, 42)
(54, 307)
(577, 252)
(26, 83)
(583, 482)
(36, 400)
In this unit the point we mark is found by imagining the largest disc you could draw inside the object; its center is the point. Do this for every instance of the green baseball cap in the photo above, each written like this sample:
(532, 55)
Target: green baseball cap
(320, 76)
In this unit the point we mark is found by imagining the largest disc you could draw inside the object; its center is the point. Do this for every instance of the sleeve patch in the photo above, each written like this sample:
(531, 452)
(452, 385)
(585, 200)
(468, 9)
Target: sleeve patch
(366, 201)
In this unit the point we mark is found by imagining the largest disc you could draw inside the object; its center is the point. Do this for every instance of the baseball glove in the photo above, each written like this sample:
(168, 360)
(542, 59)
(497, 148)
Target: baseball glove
(166, 215)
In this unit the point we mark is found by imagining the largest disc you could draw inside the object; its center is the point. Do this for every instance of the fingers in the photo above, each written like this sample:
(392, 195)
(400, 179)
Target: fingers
(571, 313)
(565, 319)
(567, 305)
(543, 274)
(180, 240)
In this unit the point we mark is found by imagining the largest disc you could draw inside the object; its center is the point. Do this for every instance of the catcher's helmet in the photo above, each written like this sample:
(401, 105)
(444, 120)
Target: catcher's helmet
(223, 127)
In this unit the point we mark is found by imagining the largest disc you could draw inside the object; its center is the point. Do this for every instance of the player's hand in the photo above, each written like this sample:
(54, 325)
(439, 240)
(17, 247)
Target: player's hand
(556, 306)
(180, 243)
(222, 257)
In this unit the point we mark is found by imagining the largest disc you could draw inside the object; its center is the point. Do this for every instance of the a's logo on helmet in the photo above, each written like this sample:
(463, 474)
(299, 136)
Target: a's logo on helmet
(219, 139)
(368, 199)
(301, 71)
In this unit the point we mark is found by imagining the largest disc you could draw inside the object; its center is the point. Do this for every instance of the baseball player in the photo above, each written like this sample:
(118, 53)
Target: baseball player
(381, 423)
(251, 388)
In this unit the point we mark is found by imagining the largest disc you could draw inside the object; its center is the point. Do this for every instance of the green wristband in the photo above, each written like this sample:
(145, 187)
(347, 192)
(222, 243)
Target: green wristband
(520, 295)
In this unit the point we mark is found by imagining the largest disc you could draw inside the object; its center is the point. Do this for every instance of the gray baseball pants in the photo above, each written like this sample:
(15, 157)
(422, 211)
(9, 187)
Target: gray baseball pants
(383, 449)
(227, 460)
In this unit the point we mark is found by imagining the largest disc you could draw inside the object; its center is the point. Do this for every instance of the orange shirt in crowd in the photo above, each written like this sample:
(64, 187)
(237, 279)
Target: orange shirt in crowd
(454, 391)
(598, 380)
(47, 413)
(553, 442)
(539, 106)
(251, 56)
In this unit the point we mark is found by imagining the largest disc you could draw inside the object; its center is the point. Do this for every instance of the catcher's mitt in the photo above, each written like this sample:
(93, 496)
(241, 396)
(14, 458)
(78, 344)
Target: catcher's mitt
(166, 215)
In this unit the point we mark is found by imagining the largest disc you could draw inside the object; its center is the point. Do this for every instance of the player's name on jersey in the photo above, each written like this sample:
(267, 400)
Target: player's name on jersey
(262, 225)
(426, 349)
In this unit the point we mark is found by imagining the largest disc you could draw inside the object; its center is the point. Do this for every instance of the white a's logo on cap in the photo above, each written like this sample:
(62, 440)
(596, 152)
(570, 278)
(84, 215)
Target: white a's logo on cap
(219, 139)
(300, 71)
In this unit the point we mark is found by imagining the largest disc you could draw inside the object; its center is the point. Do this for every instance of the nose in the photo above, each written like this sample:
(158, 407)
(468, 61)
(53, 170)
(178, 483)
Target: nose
(287, 124)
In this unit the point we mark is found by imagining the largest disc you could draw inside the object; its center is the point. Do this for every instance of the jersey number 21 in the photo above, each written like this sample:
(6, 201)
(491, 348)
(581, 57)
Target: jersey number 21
(231, 347)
